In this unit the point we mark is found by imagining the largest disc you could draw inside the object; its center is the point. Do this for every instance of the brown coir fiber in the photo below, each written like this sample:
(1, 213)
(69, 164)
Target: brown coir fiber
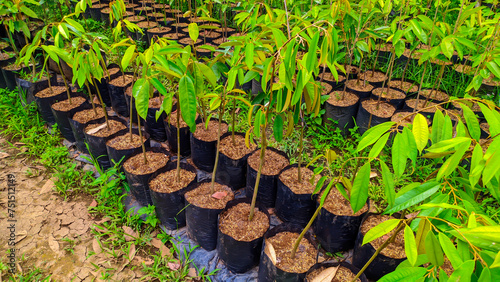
(209, 133)
(167, 182)
(202, 196)
(88, 115)
(50, 91)
(236, 150)
(305, 257)
(337, 204)
(273, 162)
(394, 250)
(234, 222)
(137, 166)
(290, 178)
(123, 142)
(114, 125)
(65, 106)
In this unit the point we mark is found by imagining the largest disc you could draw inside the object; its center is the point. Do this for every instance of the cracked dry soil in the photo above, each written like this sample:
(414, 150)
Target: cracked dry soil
(44, 219)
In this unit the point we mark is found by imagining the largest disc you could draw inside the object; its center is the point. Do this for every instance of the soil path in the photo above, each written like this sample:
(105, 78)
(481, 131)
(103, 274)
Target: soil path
(51, 234)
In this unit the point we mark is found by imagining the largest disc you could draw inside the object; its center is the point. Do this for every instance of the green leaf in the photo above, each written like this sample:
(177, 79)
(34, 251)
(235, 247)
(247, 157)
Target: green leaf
(485, 275)
(463, 273)
(312, 57)
(452, 162)
(484, 237)
(359, 192)
(491, 167)
(437, 126)
(433, 250)
(388, 181)
(399, 153)
(380, 230)
(278, 128)
(477, 165)
(415, 196)
(419, 32)
(249, 60)
(450, 251)
(496, 263)
(404, 274)
(28, 12)
(420, 131)
(423, 228)
(127, 57)
(187, 101)
(140, 91)
(492, 120)
(447, 144)
(208, 73)
(379, 145)
(493, 67)
(410, 246)
(194, 31)
(472, 122)
(447, 47)
(373, 134)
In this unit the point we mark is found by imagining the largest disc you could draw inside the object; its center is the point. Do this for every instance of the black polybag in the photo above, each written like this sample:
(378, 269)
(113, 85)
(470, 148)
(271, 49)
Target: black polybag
(202, 223)
(155, 128)
(44, 106)
(97, 145)
(231, 172)
(363, 119)
(266, 194)
(294, 208)
(328, 264)
(239, 256)
(336, 233)
(118, 156)
(343, 115)
(203, 152)
(62, 120)
(380, 266)
(171, 207)
(270, 272)
(397, 103)
(139, 183)
(78, 130)
(118, 102)
(28, 89)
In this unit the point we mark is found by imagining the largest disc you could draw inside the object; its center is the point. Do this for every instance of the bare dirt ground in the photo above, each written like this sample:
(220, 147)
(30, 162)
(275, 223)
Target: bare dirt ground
(52, 234)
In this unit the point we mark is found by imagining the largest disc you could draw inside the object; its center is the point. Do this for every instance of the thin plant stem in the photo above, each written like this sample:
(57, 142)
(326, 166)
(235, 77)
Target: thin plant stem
(259, 171)
(102, 103)
(178, 144)
(64, 80)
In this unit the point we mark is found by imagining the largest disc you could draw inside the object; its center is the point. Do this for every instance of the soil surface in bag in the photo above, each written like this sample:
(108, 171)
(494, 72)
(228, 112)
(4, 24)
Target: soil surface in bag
(236, 150)
(336, 98)
(337, 204)
(392, 94)
(234, 223)
(373, 76)
(203, 198)
(87, 115)
(382, 110)
(282, 244)
(394, 250)
(328, 77)
(167, 181)
(343, 274)
(103, 131)
(135, 164)
(359, 85)
(123, 142)
(65, 106)
(47, 92)
(407, 87)
(209, 134)
(326, 88)
(173, 120)
(289, 177)
(430, 107)
(434, 95)
(119, 81)
(405, 118)
(273, 162)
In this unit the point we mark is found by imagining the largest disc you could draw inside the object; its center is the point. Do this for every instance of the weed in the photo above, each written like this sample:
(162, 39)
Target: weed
(71, 245)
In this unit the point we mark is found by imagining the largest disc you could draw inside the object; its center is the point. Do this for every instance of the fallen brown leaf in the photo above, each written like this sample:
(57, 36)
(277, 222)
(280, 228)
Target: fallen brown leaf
(131, 252)
(130, 234)
(93, 204)
(96, 246)
(192, 272)
(326, 275)
(94, 130)
(47, 187)
(3, 155)
(219, 195)
(270, 252)
(53, 244)
(174, 265)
